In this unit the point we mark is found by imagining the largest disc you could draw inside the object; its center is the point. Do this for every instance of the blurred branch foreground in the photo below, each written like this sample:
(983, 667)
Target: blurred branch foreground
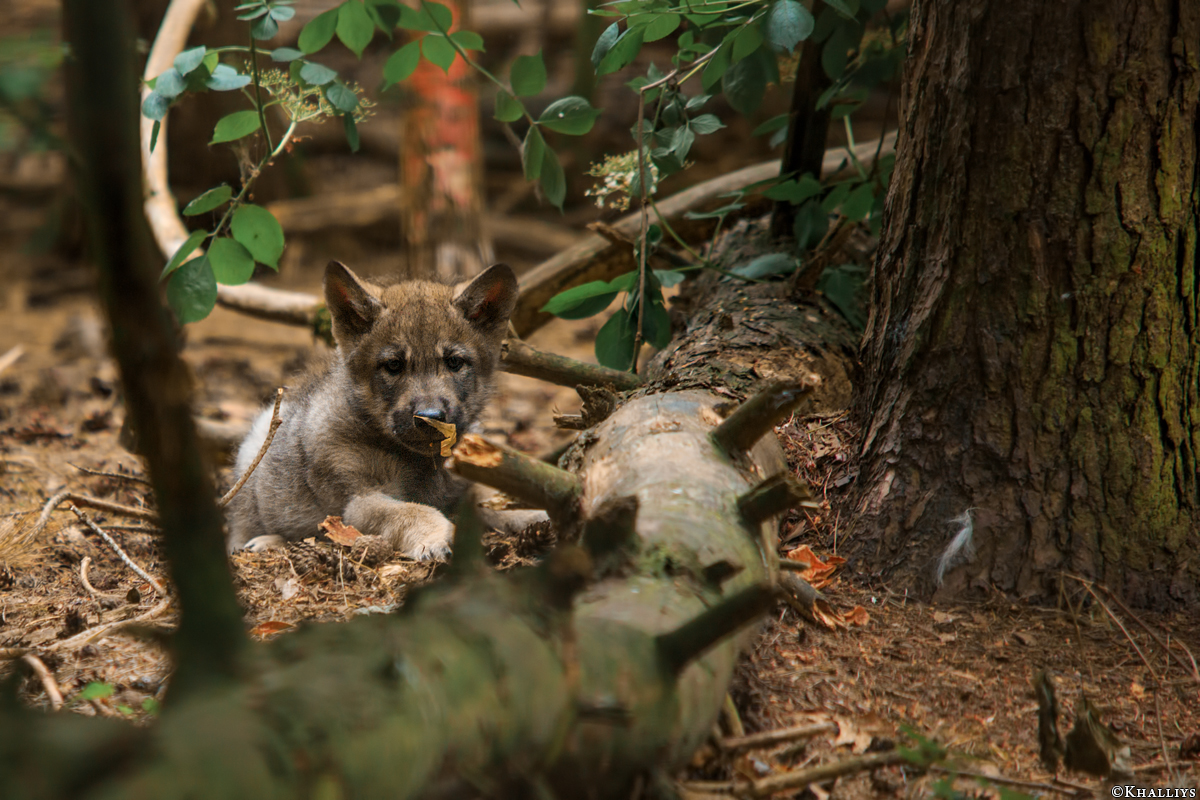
(603, 668)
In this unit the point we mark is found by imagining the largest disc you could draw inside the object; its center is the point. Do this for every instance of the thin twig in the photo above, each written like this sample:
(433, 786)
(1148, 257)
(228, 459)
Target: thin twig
(47, 679)
(1001, 780)
(262, 451)
(823, 772)
(775, 737)
(117, 475)
(91, 634)
(643, 230)
(129, 562)
(87, 584)
(1162, 739)
(90, 502)
(1153, 634)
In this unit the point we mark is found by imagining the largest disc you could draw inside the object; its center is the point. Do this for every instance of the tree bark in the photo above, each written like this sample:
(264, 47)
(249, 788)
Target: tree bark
(1032, 350)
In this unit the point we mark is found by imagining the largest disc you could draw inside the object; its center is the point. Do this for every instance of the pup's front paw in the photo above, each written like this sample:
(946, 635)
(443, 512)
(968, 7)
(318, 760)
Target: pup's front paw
(261, 544)
(427, 534)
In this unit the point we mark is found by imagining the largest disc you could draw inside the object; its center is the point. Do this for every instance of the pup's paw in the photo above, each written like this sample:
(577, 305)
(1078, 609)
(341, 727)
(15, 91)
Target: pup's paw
(427, 535)
(261, 544)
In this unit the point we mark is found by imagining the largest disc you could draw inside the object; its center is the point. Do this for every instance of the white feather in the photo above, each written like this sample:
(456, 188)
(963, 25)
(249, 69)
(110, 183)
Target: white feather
(961, 548)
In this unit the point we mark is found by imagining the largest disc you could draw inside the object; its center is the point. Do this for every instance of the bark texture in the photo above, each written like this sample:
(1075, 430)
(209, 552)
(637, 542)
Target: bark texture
(1033, 347)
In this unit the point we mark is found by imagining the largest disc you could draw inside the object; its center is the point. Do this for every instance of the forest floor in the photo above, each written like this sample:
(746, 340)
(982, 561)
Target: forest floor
(952, 673)
(956, 674)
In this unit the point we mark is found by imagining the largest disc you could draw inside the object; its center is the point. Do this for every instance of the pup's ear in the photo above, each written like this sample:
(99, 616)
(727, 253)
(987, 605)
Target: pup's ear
(352, 308)
(488, 301)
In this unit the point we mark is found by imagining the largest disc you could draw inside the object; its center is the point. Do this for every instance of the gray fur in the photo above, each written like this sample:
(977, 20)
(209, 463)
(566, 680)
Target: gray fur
(347, 445)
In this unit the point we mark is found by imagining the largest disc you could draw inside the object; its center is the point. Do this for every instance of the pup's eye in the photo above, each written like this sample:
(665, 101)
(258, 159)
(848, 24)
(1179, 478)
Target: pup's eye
(455, 363)
(394, 366)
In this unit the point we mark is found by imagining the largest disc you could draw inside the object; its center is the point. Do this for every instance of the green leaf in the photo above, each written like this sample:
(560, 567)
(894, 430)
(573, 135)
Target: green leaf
(96, 691)
(341, 97)
(835, 53)
(836, 196)
(747, 40)
(213, 198)
(351, 129)
(231, 263)
(842, 286)
(707, 123)
(169, 84)
(770, 264)
(528, 76)
(623, 51)
(605, 43)
(316, 74)
(236, 125)
(614, 341)
(257, 12)
(189, 59)
(656, 325)
(258, 231)
(355, 27)
(438, 50)
(192, 292)
(532, 153)
(669, 277)
(508, 108)
(282, 13)
(467, 40)
(385, 14)
(793, 191)
(859, 203)
(810, 225)
(319, 31)
(554, 182)
(151, 706)
(578, 297)
(571, 115)
(225, 78)
(662, 26)
(263, 29)
(154, 131)
(186, 249)
(284, 54)
(745, 84)
(715, 213)
(847, 8)
(155, 106)
(402, 63)
(682, 142)
(788, 23)
(717, 66)
(775, 123)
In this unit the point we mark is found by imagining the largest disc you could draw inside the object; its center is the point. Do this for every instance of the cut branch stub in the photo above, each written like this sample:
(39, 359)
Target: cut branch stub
(693, 638)
(773, 496)
(610, 527)
(518, 358)
(536, 482)
(757, 416)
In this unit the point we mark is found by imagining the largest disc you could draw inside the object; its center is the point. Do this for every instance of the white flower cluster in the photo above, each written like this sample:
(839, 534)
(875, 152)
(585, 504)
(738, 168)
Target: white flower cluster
(619, 180)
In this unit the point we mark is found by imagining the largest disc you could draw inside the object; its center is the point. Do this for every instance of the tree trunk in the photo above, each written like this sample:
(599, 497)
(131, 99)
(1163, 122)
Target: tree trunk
(441, 171)
(1033, 347)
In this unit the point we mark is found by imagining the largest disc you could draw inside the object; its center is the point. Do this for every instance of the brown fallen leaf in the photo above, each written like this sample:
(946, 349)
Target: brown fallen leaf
(339, 532)
(448, 431)
(269, 627)
(818, 573)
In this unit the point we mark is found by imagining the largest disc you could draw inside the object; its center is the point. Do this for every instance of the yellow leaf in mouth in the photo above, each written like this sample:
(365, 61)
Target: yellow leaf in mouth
(447, 429)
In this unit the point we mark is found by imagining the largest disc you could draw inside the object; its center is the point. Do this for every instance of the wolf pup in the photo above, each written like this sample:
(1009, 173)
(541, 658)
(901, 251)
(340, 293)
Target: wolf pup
(348, 444)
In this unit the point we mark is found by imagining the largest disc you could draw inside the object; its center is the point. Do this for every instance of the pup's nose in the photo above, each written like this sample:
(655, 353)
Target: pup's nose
(432, 413)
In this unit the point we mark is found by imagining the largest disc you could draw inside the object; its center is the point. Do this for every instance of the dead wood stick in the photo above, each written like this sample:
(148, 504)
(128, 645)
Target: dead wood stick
(1003, 781)
(10, 358)
(87, 584)
(91, 634)
(129, 562)
(758, 741)
(116, 475)
(524, 477)
(800, 778)
(47, 679)
(518, 358)
(89, 502)
(262, 451)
